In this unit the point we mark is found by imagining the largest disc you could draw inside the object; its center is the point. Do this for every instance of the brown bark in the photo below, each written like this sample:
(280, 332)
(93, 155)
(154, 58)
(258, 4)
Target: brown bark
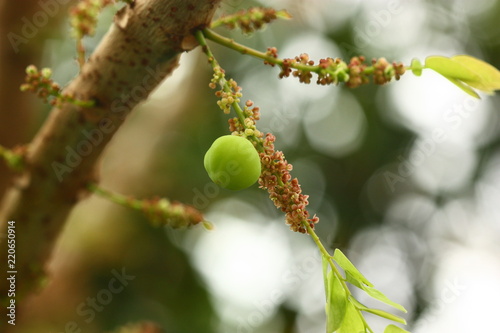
(139, 51)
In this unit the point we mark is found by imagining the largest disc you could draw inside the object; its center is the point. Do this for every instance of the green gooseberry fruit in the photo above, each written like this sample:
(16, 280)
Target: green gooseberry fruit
(232, 162)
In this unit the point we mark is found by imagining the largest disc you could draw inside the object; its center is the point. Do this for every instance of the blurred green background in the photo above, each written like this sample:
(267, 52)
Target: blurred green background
(417, 214)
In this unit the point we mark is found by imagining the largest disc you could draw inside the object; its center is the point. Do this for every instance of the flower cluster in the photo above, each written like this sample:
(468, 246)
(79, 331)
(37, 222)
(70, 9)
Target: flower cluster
(40, 82)
(273, 53)
(173, 214)
(382, 71)
(334, 71)
(84, 16)
(251, 19)
(304, 76)
(329, 70)
(228, 94)
(248, 128)
(284, 191)
(357, 72)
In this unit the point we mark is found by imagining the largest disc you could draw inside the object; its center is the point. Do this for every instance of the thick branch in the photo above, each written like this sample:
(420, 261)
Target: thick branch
(140, 50)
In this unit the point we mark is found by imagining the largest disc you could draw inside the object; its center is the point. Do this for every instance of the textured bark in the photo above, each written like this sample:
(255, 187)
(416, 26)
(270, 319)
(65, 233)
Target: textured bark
(141, 48)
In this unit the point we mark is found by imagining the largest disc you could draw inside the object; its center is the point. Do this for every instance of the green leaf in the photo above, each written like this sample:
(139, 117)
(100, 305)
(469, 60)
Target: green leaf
(348, 267)
(353, 321)
(352, 280)
(394, 329)
(336, 303)
(380, 313)
(377, 294)
(354, 277)
(489, 75)
(387, 315)
(466, 72)
(450, 68)
(464, 87)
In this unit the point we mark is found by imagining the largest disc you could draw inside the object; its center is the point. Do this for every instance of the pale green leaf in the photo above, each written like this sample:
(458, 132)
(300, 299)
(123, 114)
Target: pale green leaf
(348, 267)
(451, 69)
(466, 72)
(353, 322)
(377, 294)
(336, 303)
(489, 75)
(387, 315)
(380, 313)
(349, 278)
(354, 277)
(394, 329)
(464, 87)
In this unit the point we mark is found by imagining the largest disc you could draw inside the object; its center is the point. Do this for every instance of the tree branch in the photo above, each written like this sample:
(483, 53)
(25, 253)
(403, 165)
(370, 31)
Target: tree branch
(141, 48)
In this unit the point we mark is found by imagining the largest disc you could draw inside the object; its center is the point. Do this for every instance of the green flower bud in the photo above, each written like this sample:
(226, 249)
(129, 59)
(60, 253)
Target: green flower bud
(46, 73)
(232, 162)
(31, 70)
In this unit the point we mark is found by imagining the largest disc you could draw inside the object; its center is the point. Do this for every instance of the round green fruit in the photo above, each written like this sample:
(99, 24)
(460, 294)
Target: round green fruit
(232, 162)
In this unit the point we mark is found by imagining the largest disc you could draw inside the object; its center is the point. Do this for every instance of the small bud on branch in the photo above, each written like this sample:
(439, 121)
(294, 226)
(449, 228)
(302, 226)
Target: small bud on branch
(250, 20)
(159, 211)
(41, 83)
